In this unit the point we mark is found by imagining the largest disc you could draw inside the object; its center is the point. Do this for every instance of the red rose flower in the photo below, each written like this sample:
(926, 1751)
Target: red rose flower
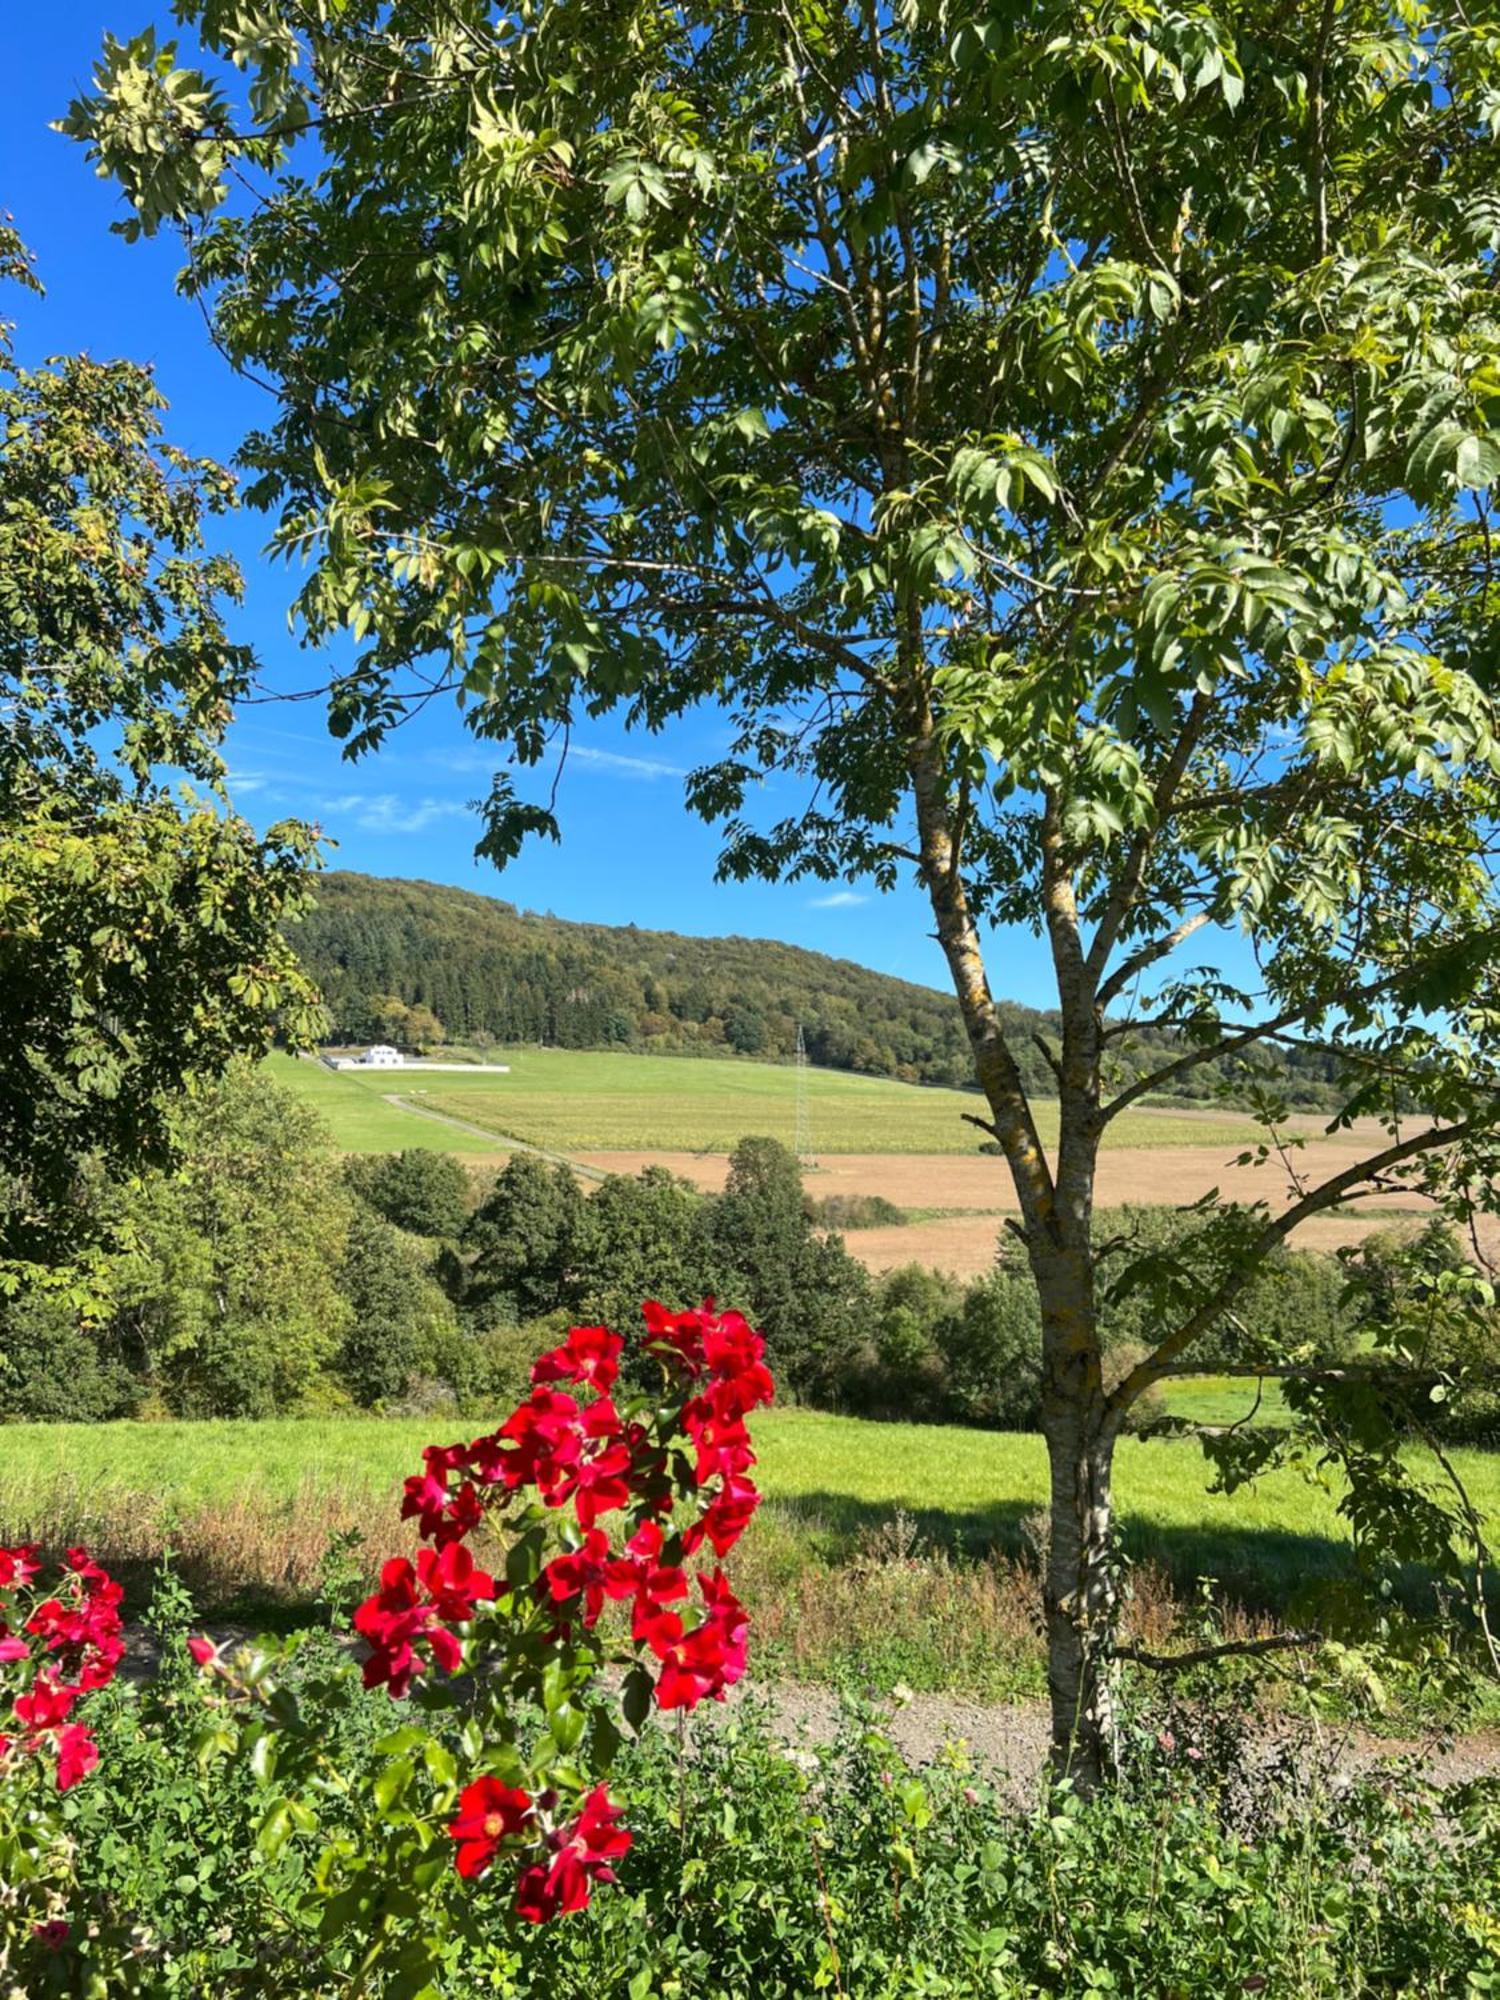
(726, 1517)
(47, 1705)
(581, 1856)
(488, 1813)
(18, 1565)
(204, 1651)
(442, 1515)
(589, 1354)
(584, 1573)
(710, 1658)
(675, 1337)
(546, 1441)
(453, 1583)
(77, 1754)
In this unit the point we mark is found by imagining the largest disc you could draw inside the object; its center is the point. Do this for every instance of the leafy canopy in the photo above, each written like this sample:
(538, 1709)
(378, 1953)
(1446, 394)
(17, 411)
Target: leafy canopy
(1082, 416)
(140, 940)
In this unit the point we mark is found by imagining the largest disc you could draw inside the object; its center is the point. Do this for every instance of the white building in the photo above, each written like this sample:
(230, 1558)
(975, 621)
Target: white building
(381, 1056)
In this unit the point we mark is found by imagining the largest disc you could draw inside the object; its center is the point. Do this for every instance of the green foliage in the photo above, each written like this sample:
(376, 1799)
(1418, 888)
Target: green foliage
(642, 1237)
(856, 1211)
(773, 1871)
(378, 948)
(993, 1351)
(1409, 1292)
(1159, 1261)
(522, 1241)
(808, 1296)
(140, 924)
(229, 1297)
(55, 1370)
(401, 1325)
(419, 1190)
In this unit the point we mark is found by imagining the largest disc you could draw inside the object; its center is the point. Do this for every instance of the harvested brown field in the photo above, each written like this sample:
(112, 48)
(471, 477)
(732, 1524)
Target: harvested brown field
(1172, 1174)
(965, 1243)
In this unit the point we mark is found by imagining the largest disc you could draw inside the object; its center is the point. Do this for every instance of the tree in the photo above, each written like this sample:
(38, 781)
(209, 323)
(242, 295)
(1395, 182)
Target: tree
(419, 1189)
(398, 1315)
(641, 1237)
(229, 1303)
(806, 1292)
(1063, 437)
(523, 1240)
(140, 928)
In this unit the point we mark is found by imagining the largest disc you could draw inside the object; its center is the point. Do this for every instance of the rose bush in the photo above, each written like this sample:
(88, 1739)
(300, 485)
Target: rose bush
(56, 1649)
(589, 1507)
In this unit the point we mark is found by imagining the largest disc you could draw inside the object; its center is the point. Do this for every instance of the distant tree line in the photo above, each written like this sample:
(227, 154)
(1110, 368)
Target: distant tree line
(419, 963)
(266, 1275)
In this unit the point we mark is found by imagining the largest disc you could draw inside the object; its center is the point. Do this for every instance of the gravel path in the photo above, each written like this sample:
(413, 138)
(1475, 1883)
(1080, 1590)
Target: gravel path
(1008, 1741)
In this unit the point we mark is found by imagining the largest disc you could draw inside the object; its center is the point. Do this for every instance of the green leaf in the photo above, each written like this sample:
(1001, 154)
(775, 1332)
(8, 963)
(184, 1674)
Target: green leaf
(636, 1696)
(1478, 461)
(391, 1782)
(275, 1828)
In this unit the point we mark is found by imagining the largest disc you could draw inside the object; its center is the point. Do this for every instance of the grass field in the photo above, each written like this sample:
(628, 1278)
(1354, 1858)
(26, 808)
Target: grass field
(591, 1101)
(839, 1476)
(359, 1119)
(897, 1552)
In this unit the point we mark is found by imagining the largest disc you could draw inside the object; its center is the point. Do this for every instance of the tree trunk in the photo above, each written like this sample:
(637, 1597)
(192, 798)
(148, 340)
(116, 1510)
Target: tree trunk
(1057, 1217)
(1078, 1592)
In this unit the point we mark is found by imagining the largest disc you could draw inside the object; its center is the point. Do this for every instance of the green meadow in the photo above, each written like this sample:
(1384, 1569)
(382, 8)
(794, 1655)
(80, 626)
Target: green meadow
(836, 1479)
(585, 1101)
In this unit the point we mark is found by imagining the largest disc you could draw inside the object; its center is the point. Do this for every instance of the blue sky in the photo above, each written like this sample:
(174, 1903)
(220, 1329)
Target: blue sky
(630, 850)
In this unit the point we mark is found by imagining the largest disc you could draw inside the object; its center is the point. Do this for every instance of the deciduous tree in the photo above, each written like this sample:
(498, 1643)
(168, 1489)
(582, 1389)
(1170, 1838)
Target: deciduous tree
(1061, 436)
(140, 923)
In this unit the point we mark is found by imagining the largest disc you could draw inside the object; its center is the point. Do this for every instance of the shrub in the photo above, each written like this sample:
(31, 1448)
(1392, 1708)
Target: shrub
(1411, 1292)
(401, 1319)
(855, 1211)
(53, 1369)
(1163, 1260)
(992, 1349)
(764, 1866)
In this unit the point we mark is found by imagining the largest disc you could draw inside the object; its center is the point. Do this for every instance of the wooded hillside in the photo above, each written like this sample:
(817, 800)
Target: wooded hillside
(489, 971)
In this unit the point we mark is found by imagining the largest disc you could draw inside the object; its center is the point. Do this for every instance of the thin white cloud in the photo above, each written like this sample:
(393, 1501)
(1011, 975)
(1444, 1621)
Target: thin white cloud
(383, 812)
(247, 783)
(615, 761)
(838, 899)
(631, 767)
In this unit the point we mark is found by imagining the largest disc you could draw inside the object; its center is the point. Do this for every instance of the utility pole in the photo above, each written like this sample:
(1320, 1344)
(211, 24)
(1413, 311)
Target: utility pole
(804, 1113)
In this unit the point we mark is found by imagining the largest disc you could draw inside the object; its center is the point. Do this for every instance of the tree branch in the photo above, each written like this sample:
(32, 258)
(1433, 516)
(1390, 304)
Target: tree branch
(1268, 1030)
(1200, 1656)
(1158, 1364)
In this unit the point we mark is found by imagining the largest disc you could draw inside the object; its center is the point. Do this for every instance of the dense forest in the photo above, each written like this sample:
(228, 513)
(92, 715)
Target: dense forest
(418, 962)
